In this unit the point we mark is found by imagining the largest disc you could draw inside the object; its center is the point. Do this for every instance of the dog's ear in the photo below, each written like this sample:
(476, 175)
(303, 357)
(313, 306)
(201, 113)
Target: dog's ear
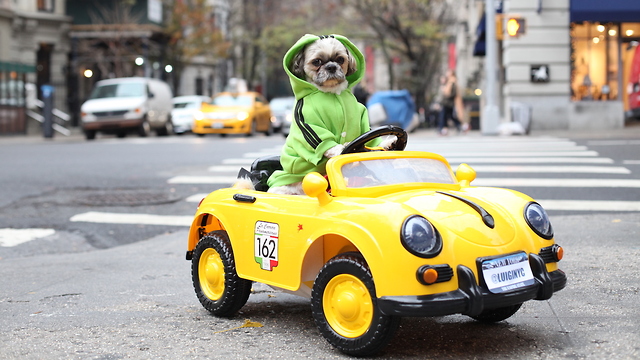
(297, 66)
(353, 67)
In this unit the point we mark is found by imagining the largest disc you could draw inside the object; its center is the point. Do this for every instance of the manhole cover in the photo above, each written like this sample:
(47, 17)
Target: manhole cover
(126, 197)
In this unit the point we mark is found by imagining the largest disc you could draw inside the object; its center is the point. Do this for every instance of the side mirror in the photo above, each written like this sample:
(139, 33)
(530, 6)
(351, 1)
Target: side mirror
(465, 174)
(315, 185)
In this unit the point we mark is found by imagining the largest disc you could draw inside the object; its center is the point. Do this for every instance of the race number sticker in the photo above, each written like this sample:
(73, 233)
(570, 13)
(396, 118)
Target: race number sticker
(265, 249)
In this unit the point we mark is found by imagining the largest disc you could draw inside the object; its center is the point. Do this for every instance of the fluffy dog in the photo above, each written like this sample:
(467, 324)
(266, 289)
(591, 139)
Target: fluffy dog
(322, 70)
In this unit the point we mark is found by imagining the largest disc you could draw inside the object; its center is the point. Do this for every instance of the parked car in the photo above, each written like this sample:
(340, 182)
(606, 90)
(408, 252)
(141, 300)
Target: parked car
(385, 234)
(282, 113)
(184, 110)
(234, 113)
(122, 105)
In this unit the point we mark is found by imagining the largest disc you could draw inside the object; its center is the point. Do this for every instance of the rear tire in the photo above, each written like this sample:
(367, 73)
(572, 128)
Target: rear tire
(344, 307)
(213, 271)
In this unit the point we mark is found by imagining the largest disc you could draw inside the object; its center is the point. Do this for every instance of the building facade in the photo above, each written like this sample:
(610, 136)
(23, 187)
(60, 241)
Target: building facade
(571, 62)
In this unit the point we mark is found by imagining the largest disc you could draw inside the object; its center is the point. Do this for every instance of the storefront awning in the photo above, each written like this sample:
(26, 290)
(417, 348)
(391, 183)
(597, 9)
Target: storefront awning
(17, 67)
(605, 11)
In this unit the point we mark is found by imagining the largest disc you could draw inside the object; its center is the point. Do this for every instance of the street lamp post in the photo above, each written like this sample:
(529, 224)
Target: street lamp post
(490, 112)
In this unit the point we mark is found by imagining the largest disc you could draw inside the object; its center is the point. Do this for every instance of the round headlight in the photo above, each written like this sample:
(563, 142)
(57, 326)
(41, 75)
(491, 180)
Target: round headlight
(198, 115)
(420, 238)
(538, 220)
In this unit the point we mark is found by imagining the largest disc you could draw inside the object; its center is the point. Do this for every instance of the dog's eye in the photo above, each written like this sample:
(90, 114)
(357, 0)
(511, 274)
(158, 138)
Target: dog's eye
(316, 62)
(340, 60)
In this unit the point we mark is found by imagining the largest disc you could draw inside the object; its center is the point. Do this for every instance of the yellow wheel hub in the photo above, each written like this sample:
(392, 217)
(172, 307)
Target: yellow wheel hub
(211, 274)
(347, 306)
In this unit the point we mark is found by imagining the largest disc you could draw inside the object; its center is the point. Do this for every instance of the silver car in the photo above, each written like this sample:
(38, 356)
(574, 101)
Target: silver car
(184, 108)
(282, 113)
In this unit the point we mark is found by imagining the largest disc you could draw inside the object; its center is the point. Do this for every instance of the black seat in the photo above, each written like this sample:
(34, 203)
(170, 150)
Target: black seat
(261, 169)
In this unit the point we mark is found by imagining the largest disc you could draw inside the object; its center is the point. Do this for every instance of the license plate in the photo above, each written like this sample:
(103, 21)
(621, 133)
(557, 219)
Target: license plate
(507, 273)
(217, 125)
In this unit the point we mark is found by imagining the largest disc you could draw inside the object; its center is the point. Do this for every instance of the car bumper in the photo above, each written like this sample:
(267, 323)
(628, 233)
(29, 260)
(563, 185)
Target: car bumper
(472, 299)
(221, 127)
(114, 124)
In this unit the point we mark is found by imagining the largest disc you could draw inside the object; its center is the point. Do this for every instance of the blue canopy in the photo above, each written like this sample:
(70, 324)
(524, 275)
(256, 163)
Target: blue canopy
(398, 105)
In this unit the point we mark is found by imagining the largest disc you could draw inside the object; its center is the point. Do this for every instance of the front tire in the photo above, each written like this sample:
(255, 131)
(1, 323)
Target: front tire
(144, 129)
(214, 276)
(344, 307)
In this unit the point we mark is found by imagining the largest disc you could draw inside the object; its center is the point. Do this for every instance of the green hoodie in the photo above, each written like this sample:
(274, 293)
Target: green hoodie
(321, 120)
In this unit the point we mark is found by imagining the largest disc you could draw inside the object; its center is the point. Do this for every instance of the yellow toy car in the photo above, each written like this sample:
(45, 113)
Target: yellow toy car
(234, 113)
(397, 234)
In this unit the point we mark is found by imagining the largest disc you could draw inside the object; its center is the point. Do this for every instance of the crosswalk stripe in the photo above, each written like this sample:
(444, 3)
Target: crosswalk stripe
(531, 160)
(546, 182)
(138, 219)
(590, 205)
(510, 153)
(187, 179)
(13, 237)
(552, 169)
(243, 161)
(224, 168)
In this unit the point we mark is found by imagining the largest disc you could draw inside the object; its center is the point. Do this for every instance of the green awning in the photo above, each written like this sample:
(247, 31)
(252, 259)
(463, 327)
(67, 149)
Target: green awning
(17, 67)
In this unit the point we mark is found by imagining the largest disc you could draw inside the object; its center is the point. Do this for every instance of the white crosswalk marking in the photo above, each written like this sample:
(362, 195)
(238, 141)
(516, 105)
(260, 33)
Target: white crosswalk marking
(540, 162)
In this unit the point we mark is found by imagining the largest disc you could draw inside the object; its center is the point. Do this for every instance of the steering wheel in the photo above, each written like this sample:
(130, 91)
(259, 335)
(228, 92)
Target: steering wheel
(357, 145)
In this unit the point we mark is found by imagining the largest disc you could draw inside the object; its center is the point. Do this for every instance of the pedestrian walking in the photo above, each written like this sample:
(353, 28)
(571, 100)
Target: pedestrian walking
(450, 101)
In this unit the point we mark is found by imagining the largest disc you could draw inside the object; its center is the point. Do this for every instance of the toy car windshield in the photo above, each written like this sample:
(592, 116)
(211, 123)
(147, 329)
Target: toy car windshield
(379, 172)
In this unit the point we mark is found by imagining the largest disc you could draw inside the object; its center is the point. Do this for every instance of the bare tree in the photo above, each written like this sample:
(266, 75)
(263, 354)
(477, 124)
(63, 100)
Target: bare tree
(412, 31)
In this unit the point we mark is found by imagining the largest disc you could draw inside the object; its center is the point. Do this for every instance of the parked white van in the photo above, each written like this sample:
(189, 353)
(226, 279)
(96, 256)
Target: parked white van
(135, 104)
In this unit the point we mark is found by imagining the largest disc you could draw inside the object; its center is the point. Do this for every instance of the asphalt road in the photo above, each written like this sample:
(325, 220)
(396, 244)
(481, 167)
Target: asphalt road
(96, 291)
(136, 301)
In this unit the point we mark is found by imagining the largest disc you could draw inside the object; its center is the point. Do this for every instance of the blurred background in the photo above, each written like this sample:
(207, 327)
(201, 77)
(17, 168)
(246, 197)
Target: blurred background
(560, 64)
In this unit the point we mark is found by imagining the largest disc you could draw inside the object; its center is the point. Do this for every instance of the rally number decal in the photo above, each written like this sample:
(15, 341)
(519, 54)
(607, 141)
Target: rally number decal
(265, 249)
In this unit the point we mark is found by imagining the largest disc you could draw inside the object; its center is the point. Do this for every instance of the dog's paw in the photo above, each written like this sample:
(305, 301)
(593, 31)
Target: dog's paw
(389, 142)
(334, 151)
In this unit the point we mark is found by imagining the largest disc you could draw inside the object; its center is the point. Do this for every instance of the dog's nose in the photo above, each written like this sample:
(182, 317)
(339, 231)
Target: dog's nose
(330, 67)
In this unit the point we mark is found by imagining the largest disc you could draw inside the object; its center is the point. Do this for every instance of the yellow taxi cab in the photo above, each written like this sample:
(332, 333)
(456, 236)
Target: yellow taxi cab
(385, 234)
(234, 113)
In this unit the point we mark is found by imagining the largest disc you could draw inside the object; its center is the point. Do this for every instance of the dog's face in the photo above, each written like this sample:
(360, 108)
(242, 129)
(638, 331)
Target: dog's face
(325, 63)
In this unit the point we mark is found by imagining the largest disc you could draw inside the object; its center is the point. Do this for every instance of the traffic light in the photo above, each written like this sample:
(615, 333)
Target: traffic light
(515, 26)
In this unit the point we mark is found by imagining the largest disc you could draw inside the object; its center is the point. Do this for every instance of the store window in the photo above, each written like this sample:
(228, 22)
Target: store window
(594, 59)
(46, 5)
(602, 60)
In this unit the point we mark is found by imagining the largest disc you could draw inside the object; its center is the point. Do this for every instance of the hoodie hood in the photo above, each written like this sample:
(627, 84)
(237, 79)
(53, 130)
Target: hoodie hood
(301, 87)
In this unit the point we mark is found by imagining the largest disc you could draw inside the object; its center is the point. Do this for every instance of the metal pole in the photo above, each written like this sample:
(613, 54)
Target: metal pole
(490, 114)
(47, 111)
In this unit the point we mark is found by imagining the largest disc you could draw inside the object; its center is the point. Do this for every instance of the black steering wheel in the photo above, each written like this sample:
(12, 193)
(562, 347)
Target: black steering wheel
(357, 145)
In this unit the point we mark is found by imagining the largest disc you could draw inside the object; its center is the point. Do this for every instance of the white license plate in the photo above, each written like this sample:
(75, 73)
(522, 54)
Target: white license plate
(507, 273)
(217, 125)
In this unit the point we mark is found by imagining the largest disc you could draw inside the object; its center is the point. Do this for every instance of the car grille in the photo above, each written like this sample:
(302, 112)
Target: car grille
(548, 255)
(221, 115)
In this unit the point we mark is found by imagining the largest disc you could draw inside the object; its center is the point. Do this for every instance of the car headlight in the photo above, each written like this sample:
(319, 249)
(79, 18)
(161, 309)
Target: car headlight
(538, 220)
(420, 238)
(198, 115)
(242, 115)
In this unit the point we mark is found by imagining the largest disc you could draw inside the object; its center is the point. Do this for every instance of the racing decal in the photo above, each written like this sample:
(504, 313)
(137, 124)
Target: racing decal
(265, 249)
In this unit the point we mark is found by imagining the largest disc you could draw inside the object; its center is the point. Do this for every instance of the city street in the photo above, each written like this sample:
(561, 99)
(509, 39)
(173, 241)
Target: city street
(93, 236)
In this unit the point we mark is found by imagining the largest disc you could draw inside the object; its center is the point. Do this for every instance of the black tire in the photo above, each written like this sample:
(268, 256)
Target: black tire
(361, 329)
(121, 134)
(90, 134)
(166, 130)
(144, 128)
(270, 129)
(252, 128)
(213, 271)
(499, 314)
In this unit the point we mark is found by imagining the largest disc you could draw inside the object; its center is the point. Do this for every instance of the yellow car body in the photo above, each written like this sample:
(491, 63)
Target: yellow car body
(285, 241)
(234, 113)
